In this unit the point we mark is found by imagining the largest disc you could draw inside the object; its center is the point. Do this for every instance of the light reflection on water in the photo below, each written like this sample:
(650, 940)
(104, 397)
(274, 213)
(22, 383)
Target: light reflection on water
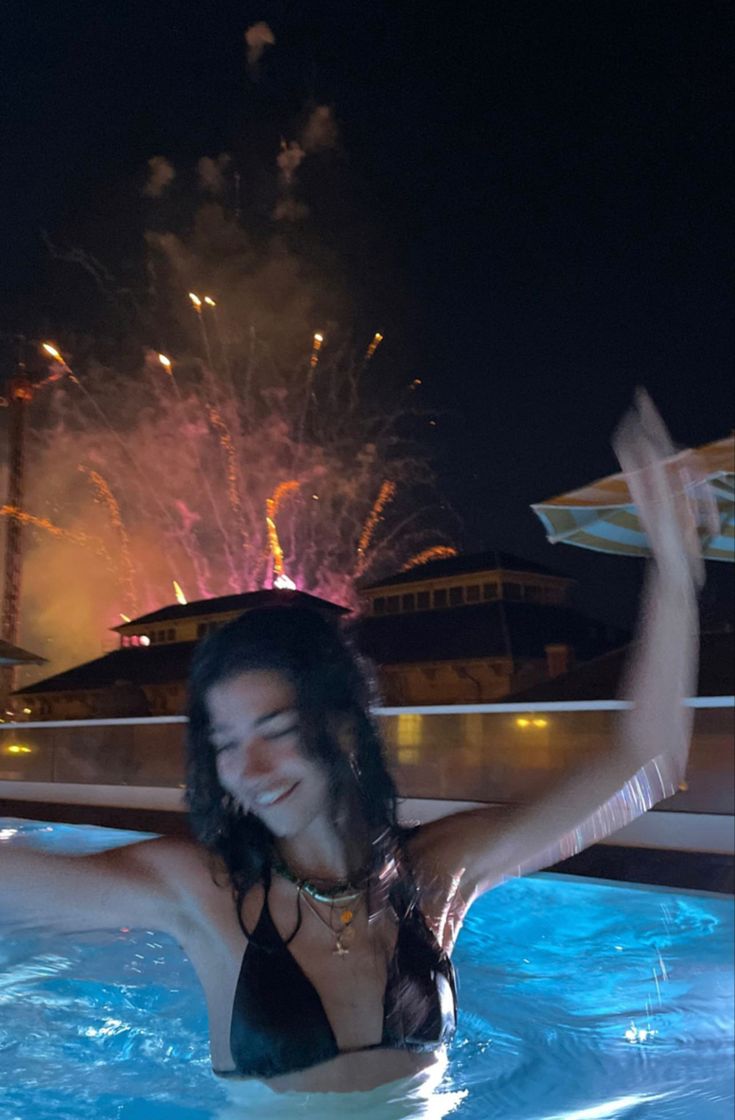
(579, 1001)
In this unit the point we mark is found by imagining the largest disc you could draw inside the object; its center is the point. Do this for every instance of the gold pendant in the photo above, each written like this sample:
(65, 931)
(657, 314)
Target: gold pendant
(344, 940)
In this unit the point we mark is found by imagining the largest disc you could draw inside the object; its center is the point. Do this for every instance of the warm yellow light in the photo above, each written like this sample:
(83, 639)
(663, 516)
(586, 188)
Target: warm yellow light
(209, 301)
(318, 337)
(52, 351)
(282, 582)
(164, 361)
(195, 299)
(18, 748)
(376, 341)
(522, 722)
(180, 596)
(540, 723)
(124, 617)
(27, 711)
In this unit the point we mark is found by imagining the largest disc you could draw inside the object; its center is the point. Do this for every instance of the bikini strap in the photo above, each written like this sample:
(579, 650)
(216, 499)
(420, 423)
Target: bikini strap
(267, 879)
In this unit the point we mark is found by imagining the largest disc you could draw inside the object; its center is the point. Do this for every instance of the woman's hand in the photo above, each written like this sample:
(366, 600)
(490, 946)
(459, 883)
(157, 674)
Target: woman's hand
(674, 503)
(646, 759)
(672, 500)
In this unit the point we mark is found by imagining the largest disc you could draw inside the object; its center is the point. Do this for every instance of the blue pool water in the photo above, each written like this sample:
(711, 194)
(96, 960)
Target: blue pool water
(579, 1000)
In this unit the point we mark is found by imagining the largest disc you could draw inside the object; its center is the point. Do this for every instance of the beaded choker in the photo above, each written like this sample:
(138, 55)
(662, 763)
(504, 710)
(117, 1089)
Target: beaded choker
(338, 894)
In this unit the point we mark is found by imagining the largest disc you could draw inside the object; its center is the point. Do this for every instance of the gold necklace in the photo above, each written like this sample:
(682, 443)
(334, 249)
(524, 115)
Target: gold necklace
(337, 894)
(346, 934)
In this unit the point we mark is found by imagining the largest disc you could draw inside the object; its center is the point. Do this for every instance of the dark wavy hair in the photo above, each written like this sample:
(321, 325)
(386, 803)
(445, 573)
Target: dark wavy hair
(334, 690)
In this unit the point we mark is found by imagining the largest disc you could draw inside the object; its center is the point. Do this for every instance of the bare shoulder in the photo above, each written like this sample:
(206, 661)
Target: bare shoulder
(454, 853)
(177, 870)
(445, 844)
(440, 857)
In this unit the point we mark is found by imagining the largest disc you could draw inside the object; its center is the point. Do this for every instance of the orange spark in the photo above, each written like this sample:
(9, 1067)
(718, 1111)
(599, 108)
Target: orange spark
(180, 596)
(271, 509)
(227, 445)
(75, 537)
(377, 339)
(387, 490)
(316, 346)
(438, 552)
(53, 352)
(105, 495)
(165, 362)
(280, 492)
(196, 301)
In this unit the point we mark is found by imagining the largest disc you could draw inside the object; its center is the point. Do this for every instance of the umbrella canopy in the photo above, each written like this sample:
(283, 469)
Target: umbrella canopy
(602, 516)
(14, 655)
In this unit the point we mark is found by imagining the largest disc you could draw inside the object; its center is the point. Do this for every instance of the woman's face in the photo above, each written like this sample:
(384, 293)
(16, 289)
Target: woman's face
(254, 729)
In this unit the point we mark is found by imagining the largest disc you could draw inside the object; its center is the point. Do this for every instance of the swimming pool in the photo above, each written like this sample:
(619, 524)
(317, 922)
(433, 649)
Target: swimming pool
(579, 1000)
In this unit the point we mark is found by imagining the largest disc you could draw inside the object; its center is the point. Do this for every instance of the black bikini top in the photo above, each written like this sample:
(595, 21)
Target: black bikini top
(279, 1024)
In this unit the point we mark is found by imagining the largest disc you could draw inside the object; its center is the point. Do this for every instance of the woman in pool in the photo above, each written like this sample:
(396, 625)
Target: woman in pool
(321, 931)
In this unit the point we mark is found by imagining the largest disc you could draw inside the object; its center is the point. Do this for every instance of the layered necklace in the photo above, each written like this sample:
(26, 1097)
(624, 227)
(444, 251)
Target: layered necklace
(344, 897)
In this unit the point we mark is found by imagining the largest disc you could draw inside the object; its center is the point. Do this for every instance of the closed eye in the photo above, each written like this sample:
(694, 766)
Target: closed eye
(283, 733)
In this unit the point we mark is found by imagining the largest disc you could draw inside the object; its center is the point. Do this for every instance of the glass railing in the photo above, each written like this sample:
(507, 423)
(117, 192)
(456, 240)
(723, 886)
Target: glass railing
(482, 752)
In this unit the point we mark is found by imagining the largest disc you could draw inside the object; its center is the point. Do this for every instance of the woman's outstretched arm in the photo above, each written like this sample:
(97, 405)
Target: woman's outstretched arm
(647, 758)
(139, 885)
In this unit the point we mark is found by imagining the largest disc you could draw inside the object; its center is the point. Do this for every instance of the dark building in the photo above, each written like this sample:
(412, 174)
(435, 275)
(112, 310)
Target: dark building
(147, 675)
(602, 677)
(464, 630)
(473, 629)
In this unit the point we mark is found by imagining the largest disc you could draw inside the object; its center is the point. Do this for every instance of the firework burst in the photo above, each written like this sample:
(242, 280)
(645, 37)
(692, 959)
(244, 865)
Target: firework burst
(250, 454)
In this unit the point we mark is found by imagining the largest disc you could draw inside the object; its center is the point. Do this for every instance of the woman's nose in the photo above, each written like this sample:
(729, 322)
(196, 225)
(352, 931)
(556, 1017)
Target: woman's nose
(257, 761)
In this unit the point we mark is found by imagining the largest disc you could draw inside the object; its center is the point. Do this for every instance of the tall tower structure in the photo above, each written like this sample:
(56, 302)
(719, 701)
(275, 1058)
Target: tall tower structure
(20, 393)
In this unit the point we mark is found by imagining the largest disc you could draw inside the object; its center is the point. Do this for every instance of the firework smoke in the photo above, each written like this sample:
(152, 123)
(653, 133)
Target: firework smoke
(212, 173)
(318, 134)
(320, 130)
(232, 461)
(241, 441)
(160, 176)
(257, 37)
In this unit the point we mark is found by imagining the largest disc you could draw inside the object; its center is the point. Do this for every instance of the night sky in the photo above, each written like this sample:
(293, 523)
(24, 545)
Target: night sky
(529, 199)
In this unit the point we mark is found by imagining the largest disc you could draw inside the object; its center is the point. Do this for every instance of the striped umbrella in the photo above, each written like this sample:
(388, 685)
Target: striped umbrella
(14, 655)
(602, 516)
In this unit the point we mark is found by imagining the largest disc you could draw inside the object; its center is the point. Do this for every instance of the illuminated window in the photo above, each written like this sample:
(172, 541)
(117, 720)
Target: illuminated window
(408, 731)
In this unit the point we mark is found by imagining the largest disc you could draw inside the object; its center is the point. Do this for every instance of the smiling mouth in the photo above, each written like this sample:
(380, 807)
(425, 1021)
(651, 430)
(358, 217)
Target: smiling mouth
(268, 801)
